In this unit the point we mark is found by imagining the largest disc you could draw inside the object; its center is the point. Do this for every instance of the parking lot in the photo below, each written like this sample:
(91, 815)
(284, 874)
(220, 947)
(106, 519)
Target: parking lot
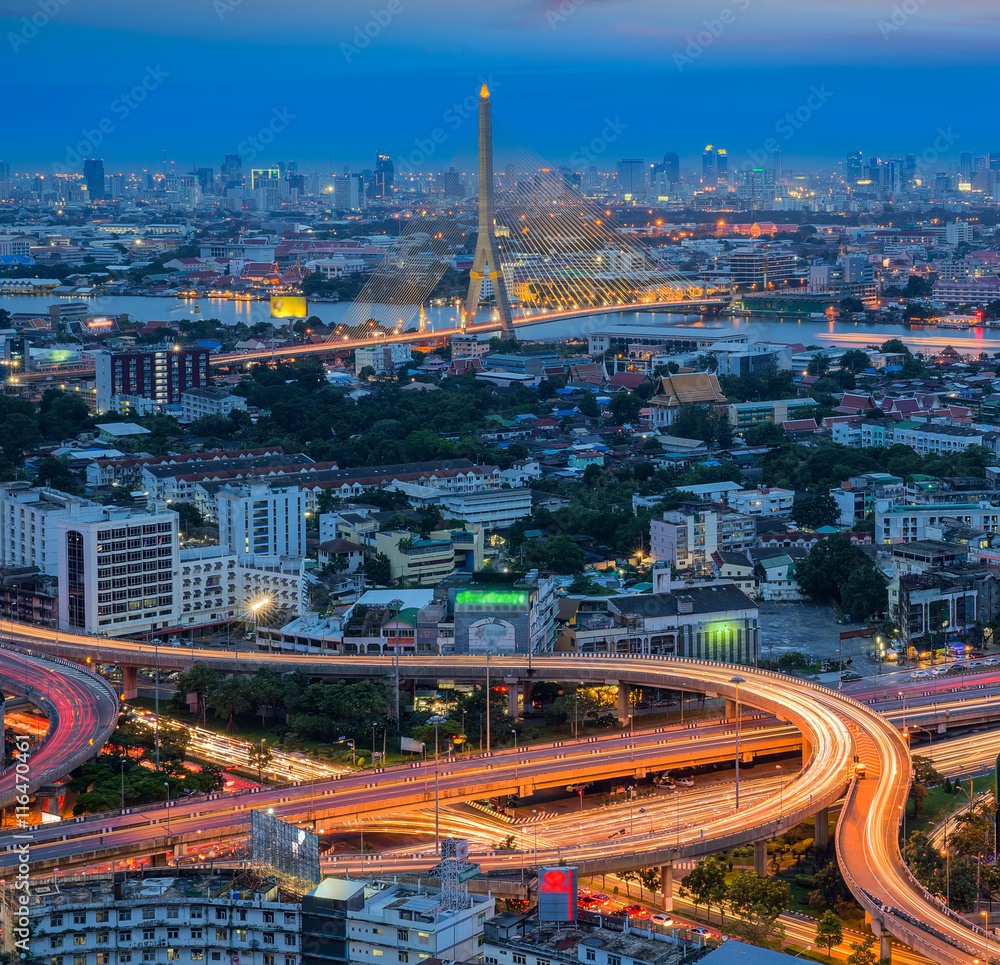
(810, 628)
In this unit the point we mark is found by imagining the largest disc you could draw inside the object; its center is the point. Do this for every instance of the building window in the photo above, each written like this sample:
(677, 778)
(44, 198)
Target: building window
(173, 955)
(125, 914)
(124, 936)
(197, 954)
(521, 960)
(220, 914)
(79, 960)
(75, 579)
(269, 938)
(124, 957)
(289, 917)
(289, 939)
(103, 958)
(149, 956)
(79, 918)
(148, 913)
(403, 934)
(268, 917)
(173, 933)
(220, 934)
(240, 934)
(102, 916)
(404, 956)
(55, 920)
(268, 959)
(173, 912)
(56, 941)
(196, 933)
(148, 934)
(102, 938)
(614, 960)
(79, 939)
(591, 955)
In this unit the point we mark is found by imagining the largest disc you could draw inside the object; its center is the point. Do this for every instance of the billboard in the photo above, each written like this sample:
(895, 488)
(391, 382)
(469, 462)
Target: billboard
(281, 849)
(557, 894)
(288, 306)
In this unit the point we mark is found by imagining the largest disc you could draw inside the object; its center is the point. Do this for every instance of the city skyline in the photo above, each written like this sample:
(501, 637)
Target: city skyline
(365, 78)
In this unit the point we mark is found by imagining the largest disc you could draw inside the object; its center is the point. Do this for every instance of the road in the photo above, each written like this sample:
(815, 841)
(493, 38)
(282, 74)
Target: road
(82, 710)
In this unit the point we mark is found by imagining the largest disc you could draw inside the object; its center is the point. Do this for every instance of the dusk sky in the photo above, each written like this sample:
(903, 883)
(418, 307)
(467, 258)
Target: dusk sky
(216, 72)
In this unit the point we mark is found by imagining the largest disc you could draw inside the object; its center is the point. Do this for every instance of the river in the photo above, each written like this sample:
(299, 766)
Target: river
(760, 328)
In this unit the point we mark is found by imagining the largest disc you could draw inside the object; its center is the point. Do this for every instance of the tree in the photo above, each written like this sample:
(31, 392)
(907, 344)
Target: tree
(625, 407)
(588, 405)
(565, 556)
(758, 902)
(828, 567)
(829, 932)
(188, 516)
(894, 347)
(200, 680)
(705, 885)
(20, 433)
(230, 698)
(378, 569)
(260, 756)
(813, 510)
(765, 434)
(818, 365)
(55, 472)
(865, 593)
(854, 360)
(862, 953)
(830, 890)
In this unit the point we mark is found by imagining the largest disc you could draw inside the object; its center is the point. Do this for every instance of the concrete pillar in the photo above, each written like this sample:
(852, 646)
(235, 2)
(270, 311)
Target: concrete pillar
(885, 946)
(667, 886)
(130, 683)
(526, 687)
(730, 709)
(623, 703)
(760, 858)
(512, 689)
(822, 835)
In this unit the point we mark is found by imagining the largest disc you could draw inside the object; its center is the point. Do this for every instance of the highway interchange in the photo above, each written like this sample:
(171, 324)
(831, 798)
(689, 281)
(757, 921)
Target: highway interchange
(835, 729)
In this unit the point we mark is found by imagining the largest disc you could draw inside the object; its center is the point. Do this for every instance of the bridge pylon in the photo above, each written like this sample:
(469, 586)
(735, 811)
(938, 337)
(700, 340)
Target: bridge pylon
(486, 261)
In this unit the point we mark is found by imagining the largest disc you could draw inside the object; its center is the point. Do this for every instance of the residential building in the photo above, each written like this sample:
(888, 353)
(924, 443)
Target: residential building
(707, 621)
(763, 501)
(855, 498)
(260, 520)
(28, 516)
(491, 509)
(762, 267)
(935, 605)
(905, 522)
(383, 359)
(210, 400)
(626, 341)
(116, 571)
(390, 923)
(161, 375)
(469, 346)
(688, 537)
(935, 438)
(429, 561)
(28, 596)
(517, 617)
(186, 917)
(712, 492)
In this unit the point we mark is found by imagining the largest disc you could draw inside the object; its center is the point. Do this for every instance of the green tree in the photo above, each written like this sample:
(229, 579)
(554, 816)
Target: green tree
(189, 516)
(829, 932)
(705, 885)
(378, 569)
(588, 405)
(865, 593)
(758, 902)
(830, 889)
(20, 434)
(829, 565)
(855, 360)
(765, 434)
(925, 861)
(260, 757)
(55, 472)
(813, 510)
(200, 680)
(863, 952)
(625, 407)
(565, 556)
(230, 699)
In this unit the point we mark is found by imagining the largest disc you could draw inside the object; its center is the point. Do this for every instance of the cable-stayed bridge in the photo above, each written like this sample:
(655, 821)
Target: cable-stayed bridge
(543, 253)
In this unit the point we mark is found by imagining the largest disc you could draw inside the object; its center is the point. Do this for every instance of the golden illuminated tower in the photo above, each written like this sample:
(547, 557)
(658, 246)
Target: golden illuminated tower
(486, 263)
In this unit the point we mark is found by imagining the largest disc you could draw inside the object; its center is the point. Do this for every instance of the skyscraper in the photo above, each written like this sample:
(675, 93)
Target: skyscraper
(632, 178)
(965, 165)
(855, 168)
(382, 177)
(93, 174)
(673, 163)
(206, 179)
(721, 165)
(232, 171)
(708, 165)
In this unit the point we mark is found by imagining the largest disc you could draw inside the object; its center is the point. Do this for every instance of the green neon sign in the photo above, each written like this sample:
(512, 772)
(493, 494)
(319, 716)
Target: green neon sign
(488, 598)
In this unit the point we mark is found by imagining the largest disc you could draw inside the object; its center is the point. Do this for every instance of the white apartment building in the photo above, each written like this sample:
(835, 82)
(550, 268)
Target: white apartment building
(688, 540)
(494, 509)
(187, 918)
(390, 923)
(209, 400)
(116, 572)
(28, 519)
(907, 522)
(383, 358)
(762, 502)
(260, 520)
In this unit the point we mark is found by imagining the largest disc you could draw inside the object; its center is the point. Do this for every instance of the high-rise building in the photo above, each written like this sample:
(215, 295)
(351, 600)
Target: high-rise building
(756, 187)
(854, 169)
(260, 175)
(161, 375)
(965, 165)
(721, 165)
(259, 520)
(452, 185)
(708, 165)
(632, 178)
(116, 572)
(775, 164)
(347, 192)
(206, 179)
(994, 161)
(673, 165)
(232, 171)
(382, 177)
(4, 170)
(93, 174)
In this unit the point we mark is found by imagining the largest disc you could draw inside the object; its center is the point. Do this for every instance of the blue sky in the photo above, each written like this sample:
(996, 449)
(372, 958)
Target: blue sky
(199, 78)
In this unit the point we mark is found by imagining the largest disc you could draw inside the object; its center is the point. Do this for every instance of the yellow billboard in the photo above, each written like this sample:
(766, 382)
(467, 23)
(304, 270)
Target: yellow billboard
(288, 306)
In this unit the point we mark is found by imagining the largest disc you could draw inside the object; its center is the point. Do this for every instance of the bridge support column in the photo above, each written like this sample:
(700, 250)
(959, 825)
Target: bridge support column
(730, 709)
(760, 858)
(667, 886)
(130, 683)
(822, 834)
(623, 703)
(512, 692)
(885, 947)
(526, 688)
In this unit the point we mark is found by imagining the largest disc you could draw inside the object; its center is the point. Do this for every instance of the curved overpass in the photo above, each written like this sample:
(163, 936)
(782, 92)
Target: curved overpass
(834, 728)
(82, 709)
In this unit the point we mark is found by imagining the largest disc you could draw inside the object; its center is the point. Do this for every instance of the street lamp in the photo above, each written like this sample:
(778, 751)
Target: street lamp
(631, 726)
(677, 818)
(257, 609)
(489, 744)
(947, 876)
(781, 792)
(534, 814)
(123, 783)
(516, 786)
(737, 680)
(902, 697)
(167, 786)
(436, 720)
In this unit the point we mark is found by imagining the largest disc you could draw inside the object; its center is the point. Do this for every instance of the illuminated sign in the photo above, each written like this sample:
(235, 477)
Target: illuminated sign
(483, 599)
(288, 306)
(100, 323)
(557, 894)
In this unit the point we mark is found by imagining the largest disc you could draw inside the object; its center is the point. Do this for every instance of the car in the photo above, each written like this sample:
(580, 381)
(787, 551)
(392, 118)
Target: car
(991, 662)
(601, 897)
(919, 674)
(669, 785)
(958, 666)
(701, 930)
(587, 901)
(849, 676)
(661, 919)
(685, 782)
(620, 833)
(977, 654)
(939, 671)
(975, 664)
(635, 911)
